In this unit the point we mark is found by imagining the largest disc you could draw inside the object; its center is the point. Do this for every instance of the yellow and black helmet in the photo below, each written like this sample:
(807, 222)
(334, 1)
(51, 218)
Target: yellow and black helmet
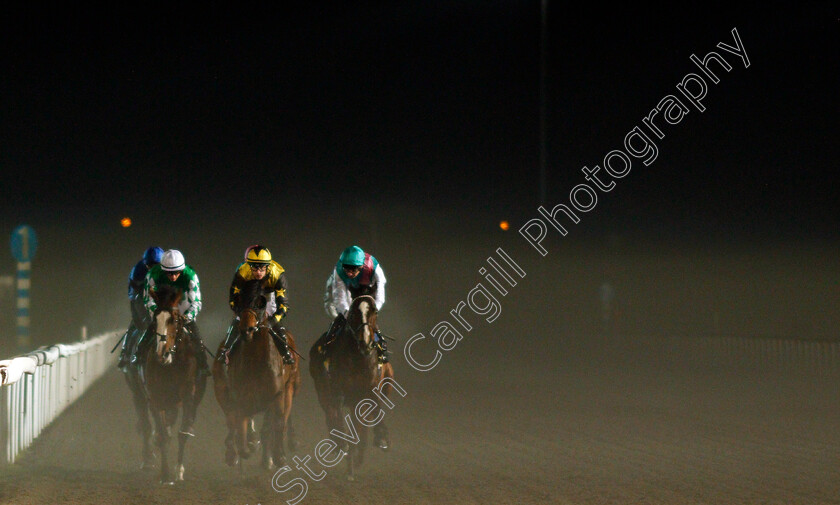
(258, 255)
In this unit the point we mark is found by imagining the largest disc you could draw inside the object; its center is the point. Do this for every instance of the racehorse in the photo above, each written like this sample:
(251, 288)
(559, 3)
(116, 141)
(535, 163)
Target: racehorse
(134, 378)
(346, 373)
(171, 377)
(256, 381)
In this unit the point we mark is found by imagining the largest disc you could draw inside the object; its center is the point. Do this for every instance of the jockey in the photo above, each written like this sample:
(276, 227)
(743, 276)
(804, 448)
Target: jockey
(173, 271)
(139, 319)
(355, 274)
(259, 267)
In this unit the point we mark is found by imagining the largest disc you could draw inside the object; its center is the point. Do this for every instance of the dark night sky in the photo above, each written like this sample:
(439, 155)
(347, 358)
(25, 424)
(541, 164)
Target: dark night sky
(433, 103)
(429, 102)
(182, 118)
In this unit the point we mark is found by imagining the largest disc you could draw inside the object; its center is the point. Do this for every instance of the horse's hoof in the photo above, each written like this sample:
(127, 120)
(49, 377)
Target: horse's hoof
(383, 444)
(180, 473)
(230, 458)
(268, 464)
(350, 478)
(167, 482)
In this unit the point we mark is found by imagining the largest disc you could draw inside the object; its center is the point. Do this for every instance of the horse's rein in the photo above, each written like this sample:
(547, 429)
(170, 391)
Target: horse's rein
(163, 336)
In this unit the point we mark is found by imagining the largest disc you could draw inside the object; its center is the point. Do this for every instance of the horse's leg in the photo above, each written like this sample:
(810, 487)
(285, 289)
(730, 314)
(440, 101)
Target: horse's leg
(364, 440)
(185, 433)
(242, 423)
(144, 423)
(278, 429)
(253, 438)
(351, 450)
(267, 439)
(336, 421)
(182, 444)
(290, 440)
(162, 435)
(200, 388)
(380, 432)
(231, 457)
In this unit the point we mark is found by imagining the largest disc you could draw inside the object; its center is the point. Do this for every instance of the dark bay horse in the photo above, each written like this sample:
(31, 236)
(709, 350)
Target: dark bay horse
(256, 381)
(134, 379)
(346, 373)
(171, 379)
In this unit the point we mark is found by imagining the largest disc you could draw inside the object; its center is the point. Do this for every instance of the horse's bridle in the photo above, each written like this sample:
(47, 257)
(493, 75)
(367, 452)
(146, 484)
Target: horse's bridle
(365, 348)
(172, 351)
(260, 323)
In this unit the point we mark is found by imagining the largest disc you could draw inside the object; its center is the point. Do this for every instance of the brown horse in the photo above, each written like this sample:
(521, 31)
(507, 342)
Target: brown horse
(257, 381)
(346, 373)
(171, 379)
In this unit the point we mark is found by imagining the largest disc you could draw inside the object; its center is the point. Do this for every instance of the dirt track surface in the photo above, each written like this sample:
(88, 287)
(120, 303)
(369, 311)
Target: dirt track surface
(580, 433)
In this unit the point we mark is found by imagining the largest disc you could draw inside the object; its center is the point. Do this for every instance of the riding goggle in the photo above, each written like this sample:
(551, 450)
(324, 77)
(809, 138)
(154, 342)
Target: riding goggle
(352, 268)
(258, 266)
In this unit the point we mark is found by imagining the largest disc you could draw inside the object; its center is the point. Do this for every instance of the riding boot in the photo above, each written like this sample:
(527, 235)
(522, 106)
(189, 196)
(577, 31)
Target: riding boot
(381, 347)
(282, 342)
(139, 349)
(231, 339)
(198, 349)
(337, 325)
(127, 344)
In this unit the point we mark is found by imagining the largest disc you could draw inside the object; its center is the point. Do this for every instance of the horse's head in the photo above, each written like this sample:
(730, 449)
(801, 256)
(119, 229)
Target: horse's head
(249, 323)
(168, 324)
(169, 334)
(252, 303)
(361, 322)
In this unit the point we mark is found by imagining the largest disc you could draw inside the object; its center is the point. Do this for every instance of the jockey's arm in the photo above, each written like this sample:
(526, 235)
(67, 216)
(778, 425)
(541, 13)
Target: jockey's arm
(280, 298)
(329, 305)
(340, 295)
(193, 295)
(233, 296)
(148, 301)
(136, 283)
(379, 285)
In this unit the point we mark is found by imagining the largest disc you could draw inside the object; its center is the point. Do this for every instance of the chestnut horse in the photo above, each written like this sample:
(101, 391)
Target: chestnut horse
(171, 379)
(345, 373)
(256, 381)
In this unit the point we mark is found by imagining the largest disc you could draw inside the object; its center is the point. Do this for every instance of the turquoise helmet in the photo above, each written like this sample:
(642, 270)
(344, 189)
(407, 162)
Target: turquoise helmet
(352, 256)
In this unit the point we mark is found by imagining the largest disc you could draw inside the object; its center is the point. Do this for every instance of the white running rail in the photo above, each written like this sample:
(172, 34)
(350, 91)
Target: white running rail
(36, 387)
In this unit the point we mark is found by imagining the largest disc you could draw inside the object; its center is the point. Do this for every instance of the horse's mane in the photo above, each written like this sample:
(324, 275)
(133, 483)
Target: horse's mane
(354, 305)
(251, 296)
(359, 299)
(167, 296)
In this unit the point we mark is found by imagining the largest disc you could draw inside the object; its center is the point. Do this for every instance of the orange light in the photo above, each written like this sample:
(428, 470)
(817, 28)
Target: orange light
(504, 225)
(125, 222)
